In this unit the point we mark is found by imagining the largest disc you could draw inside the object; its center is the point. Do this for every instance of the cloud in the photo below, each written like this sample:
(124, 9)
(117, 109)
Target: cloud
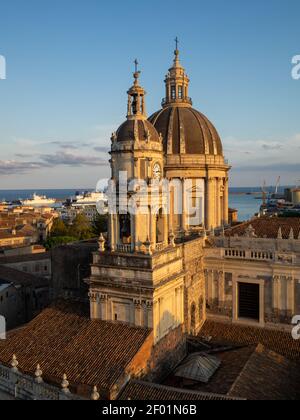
(102, 149)
(10, 167)
(276, 146)
(13, 167)
(70, 159)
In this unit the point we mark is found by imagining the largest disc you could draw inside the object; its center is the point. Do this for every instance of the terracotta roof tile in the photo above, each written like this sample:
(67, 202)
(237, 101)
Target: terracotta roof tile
(280, 342)
(268, 227)
(16, 277)
(64, 340)
(145, 391)
(268, 376)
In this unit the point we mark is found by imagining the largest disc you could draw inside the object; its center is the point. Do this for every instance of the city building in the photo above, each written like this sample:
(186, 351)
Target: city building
(24, 226)
(38, 264)
(197, 310)
(22, 296)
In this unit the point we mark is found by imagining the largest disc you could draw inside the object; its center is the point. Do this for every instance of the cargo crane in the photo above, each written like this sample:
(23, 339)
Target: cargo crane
(277, 186)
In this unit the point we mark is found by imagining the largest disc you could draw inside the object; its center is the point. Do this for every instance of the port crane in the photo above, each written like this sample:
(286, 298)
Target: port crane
(277, 185)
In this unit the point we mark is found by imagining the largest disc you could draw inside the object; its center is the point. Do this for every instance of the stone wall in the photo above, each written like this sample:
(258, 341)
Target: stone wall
(70, 266)
(155, 362)
(195, 311)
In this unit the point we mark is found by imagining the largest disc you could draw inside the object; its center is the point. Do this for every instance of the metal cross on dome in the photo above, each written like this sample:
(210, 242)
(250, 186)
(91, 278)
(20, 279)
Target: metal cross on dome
(136, 63)
(177, 42)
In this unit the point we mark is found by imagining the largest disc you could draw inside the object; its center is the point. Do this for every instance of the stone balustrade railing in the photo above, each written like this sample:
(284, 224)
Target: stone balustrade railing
(124, 248)
(19, 386)
(249, 254)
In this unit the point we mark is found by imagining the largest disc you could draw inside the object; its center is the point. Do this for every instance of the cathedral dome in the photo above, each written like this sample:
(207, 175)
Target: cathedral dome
(137, 129)
(186, 130)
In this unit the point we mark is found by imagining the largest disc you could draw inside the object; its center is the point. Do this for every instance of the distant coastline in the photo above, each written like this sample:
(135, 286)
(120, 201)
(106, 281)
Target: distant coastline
(243, 199)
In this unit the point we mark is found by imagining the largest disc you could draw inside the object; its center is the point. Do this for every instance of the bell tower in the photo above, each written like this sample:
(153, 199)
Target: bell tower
(137, 276)
(140, 220)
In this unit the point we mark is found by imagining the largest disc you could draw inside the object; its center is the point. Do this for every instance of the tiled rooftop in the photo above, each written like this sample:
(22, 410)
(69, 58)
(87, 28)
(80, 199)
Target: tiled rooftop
(145, 391)
(280, 342)
(64, 340)
(269, 227)
(10, 275)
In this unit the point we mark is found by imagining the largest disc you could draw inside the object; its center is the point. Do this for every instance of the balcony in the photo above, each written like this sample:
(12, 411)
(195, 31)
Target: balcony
(124, 249)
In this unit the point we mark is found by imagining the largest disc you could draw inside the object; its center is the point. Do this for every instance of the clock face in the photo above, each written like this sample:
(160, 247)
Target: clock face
(156, 171)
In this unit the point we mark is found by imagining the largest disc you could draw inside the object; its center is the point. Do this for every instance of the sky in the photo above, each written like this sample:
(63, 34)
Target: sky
(70, 62)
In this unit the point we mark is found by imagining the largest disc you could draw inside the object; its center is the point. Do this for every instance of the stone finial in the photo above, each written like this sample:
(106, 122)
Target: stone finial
(14, 363)
(101, 243)
(95, 396)
(65, 384)
(38, 375)
(113, 137)
(172, 239)
(291, 235)
(279, 236)
(148, 246)
(250, 232)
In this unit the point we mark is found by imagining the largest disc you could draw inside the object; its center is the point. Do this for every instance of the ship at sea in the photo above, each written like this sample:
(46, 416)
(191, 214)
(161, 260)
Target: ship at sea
(86, 198)
(38, 201)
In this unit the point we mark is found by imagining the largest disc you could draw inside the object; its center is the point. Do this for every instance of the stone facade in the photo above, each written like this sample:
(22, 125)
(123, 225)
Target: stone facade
(271, 263)
(195, 297)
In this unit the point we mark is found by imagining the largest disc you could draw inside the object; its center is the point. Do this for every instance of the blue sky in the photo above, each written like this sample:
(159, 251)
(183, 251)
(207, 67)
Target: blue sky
(69, 64)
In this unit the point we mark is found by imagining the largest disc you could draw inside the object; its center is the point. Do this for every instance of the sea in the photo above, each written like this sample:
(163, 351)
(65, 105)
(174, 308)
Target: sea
(246, 200)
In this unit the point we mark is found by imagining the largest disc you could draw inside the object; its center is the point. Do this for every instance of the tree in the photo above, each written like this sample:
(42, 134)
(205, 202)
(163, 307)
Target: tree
(81, 228)
(55, 241)
(100, 224)
(59, 228)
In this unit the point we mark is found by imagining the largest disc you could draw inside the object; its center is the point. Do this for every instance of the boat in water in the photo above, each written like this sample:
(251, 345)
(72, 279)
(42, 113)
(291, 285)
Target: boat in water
(86, 198)
(38, 201)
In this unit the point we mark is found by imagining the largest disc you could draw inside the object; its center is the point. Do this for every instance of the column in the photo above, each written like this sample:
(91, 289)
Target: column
(221, 288)
(276, 281)
(210, 275)
(184, 216)
(166, 230)
(111, 232)
(153, 227)
(226, 202)
(138, 313)
(291, 296)
(210, 207)
(133, 239)
(218, 202)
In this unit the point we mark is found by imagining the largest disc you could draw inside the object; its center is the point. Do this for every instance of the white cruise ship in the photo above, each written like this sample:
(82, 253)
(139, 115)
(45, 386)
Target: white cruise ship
(88, 198)
(38, 201)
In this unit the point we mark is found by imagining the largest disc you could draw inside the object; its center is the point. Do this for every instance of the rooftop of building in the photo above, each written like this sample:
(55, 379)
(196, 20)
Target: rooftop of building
(225, 333)
(255, 363)
(146, 391)
(11, 276)
(63, 340)
(268, 227)
(25, 258)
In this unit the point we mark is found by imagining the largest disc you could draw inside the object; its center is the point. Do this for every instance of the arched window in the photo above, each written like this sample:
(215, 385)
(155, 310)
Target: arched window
(125, 228)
